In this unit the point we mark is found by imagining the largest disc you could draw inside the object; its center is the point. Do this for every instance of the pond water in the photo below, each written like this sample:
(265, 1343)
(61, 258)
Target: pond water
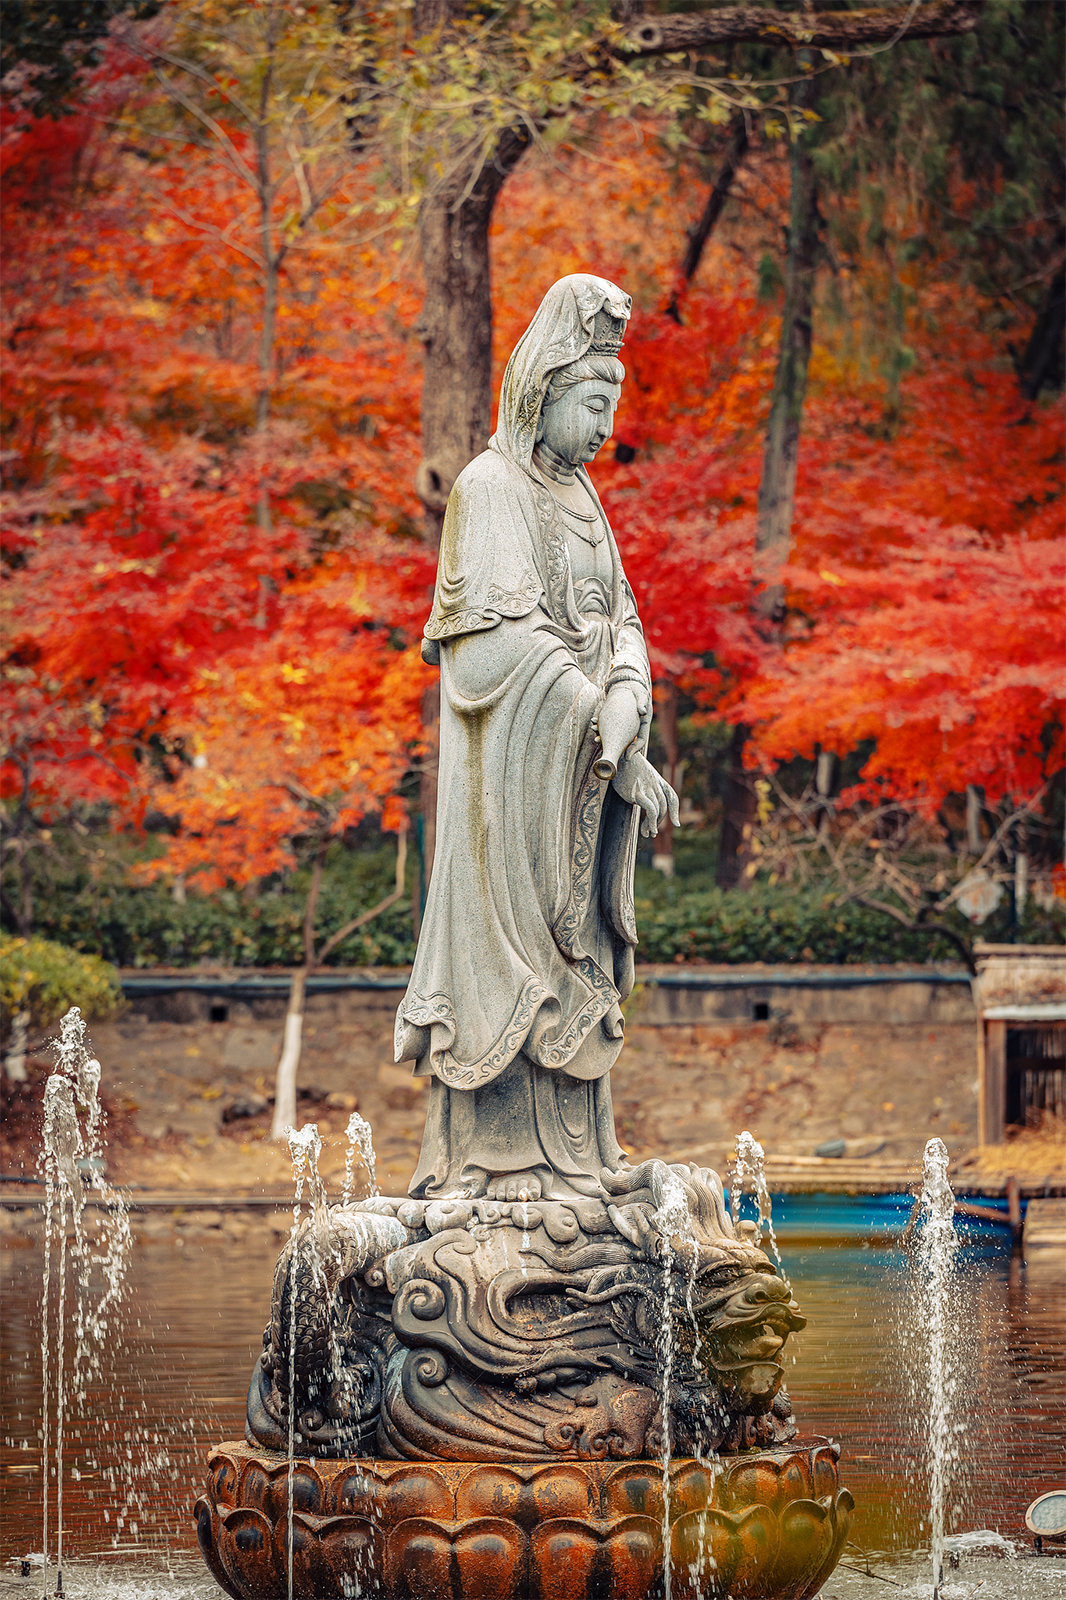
(195, 1312)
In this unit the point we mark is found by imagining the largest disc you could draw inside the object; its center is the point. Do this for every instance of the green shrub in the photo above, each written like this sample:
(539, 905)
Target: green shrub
(146, 927)
(46, 979)
(782, 924)
(680, 919)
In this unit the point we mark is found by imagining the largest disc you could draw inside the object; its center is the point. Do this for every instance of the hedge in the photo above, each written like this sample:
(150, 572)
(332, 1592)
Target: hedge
(145, 928)
(786, 925)
(46, 979)
(136, 927)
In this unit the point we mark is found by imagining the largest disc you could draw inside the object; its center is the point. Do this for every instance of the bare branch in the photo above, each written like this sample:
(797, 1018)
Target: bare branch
(921, 924)
(233, 155)
(833, 30)
(375, 911)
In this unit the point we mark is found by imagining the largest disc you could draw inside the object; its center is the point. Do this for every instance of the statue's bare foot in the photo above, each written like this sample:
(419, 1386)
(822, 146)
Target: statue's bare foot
(514, 1186)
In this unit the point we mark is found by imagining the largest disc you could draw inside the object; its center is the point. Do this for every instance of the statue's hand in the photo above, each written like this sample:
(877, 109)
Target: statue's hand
(638, 782)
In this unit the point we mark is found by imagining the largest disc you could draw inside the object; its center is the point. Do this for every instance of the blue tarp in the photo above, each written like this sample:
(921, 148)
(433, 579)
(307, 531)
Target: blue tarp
(869, 1216)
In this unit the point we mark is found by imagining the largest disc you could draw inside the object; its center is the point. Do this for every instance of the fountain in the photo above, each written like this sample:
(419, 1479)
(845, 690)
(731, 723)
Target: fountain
(523, 1402)
(542, 1372)
(71, 1162)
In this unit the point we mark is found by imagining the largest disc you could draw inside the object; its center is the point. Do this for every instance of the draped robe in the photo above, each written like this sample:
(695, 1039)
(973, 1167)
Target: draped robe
(526, 948)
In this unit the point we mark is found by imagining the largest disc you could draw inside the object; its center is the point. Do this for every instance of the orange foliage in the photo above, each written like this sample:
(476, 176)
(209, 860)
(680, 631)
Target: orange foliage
(153, 624)
(925, 583)
(150, 614)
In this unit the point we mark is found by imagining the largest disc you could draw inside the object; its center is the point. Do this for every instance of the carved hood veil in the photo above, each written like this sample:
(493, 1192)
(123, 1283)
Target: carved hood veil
(481, 576)
(562, 331)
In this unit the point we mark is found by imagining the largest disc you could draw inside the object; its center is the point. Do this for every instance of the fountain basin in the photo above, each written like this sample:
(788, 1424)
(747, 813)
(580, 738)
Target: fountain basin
(756, 1526)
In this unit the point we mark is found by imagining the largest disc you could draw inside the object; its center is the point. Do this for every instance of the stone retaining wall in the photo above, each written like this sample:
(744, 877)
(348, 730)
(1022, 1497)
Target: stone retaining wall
(866, 1062)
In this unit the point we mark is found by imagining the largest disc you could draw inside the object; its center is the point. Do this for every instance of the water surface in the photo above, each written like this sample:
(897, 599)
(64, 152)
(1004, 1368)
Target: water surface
(175, 1385)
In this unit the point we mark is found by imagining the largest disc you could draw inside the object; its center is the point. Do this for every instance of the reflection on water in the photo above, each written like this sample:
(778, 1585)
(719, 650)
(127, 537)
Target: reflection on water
(170, 1387)
(174, 1385)
(850, 1381)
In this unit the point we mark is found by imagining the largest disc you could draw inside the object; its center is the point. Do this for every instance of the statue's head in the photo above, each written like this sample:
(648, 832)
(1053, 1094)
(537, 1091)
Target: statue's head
(564, 378)
(577, 414)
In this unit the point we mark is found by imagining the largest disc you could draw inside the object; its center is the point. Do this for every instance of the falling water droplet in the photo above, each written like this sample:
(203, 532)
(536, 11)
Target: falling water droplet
(750, 1167)
(71, 1158)
(935, 1268)
(360, 1137)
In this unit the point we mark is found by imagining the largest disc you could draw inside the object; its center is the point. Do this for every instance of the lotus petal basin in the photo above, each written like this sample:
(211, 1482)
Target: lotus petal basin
(761, 1523)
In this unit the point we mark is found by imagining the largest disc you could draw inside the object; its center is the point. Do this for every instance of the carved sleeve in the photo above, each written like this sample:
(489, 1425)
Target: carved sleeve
(629, 661)
(481, 663)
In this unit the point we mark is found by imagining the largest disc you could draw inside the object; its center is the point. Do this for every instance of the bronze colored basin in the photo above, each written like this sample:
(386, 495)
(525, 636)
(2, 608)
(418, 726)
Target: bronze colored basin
(764, 1523)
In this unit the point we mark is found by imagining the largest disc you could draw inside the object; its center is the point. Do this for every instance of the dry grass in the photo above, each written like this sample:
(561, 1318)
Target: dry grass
(1027, 1153)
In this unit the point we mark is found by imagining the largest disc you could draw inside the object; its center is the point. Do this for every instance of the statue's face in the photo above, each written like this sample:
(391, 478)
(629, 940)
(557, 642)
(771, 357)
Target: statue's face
(580, 421)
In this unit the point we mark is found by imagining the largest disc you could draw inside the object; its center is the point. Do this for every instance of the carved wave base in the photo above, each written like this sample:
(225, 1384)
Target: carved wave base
(761, 1525)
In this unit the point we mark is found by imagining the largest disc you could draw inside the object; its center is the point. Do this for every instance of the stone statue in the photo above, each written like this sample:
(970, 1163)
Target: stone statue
(513, 1307)
(527, 944)
(536, 1309)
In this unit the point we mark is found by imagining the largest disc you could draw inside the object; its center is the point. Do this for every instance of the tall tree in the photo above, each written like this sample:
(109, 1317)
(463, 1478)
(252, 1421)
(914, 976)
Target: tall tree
(134, 467)
(512, 84)
(262, 90)
(982, 111)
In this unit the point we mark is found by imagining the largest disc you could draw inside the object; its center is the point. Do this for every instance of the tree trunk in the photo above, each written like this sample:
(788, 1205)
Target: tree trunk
(456, 328)
(15, 1060)
(24, 914)
(1042, 361)
(824, 778)
(738, 809)
(285, 1090)
(263, 517)
(658, 34)
(666, 716)
(285, 1084)
(974, 841)
(271, 263)
(1021, 869)
(777, 490)
(266, 342)
(698, 236)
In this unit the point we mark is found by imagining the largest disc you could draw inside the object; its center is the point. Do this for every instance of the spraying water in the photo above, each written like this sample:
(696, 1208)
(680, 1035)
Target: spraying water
(71, 1155)
(750, 1167)
(935, 1274)
(305, 1148)
(672, 1223)
(360, 1137)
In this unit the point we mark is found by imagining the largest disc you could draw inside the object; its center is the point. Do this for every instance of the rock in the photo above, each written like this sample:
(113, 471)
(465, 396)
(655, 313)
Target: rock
(859, 1149)
(339, 1101)
(831, 1149)
(247, 1104)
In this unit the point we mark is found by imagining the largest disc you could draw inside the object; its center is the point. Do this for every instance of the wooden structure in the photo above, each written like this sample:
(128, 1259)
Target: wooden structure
(1020, 992)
